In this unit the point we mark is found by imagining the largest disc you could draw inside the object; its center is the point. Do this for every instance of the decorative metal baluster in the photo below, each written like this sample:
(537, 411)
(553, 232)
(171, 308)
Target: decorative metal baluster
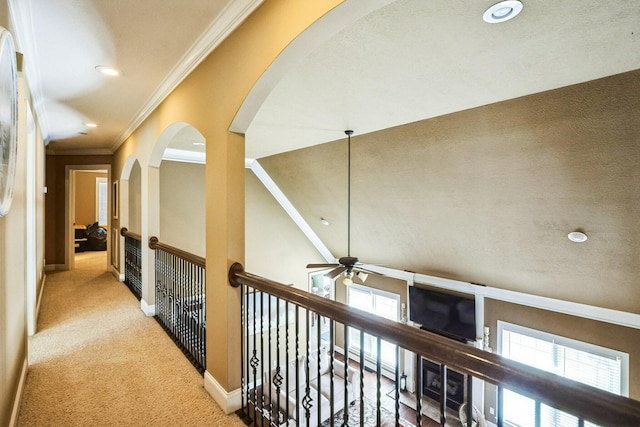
(345, 415)
(500, 415)
(397, 391)
(243, 334)
(297, 414)
(307, 401)
(443, 394)
(278, 377)
(469, 406)
(361, 377)
(286, 359)
(537, 413)
(331, 368)
(318, 357)
(419, 381)
(378, 378)
(262, 307)
(254, 360)
(269, 362)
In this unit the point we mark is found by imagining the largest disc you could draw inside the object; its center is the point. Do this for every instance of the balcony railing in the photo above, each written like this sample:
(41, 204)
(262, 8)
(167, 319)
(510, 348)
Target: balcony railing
(292, 374)
(132, 261)
(180, 299)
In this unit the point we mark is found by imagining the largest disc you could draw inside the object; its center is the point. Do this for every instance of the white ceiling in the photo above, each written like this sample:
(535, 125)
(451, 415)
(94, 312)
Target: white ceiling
(155, 43)
(415, 59)
(395, 62)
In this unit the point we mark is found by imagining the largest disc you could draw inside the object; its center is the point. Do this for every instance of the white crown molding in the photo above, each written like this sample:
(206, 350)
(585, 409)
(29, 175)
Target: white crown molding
(22, 22)
(275, 191)
(230, 18)
(184, 156)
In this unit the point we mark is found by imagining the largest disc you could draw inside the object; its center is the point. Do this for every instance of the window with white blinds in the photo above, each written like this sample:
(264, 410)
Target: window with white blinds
(378, 302)
(597, 366)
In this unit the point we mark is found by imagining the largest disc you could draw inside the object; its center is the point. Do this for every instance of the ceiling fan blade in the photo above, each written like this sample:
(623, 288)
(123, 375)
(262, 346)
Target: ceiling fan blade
(367, 271)
(335, 272)
(322, 265)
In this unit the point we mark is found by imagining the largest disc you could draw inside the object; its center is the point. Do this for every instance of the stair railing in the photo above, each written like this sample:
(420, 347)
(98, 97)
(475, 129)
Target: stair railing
(132, 261)
(282, 366)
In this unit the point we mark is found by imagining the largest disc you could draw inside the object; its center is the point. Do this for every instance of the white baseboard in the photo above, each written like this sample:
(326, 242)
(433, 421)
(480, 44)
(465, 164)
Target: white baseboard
(149, 310)
(44, 280)
(116, 273)
(18, 398)
(229, 402)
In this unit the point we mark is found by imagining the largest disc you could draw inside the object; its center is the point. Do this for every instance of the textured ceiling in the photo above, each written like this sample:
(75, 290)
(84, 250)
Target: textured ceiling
(415, 59)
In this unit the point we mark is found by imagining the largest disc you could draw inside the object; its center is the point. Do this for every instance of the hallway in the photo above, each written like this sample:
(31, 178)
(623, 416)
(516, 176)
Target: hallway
(97, 360)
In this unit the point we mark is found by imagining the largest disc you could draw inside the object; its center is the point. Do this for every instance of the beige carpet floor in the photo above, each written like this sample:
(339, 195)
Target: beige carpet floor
(97, 360)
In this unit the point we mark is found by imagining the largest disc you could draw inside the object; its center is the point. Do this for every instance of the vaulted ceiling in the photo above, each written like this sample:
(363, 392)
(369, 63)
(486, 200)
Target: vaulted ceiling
(366, 65)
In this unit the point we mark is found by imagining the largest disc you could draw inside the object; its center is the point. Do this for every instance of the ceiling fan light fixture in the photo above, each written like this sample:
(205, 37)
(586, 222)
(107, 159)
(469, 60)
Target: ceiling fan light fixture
(348, 279)
(362, 276)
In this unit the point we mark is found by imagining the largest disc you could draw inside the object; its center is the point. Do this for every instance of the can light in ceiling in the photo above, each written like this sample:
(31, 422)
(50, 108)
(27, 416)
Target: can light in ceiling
(503, 11)
(108, 71)
(91, 125)
(577, 237)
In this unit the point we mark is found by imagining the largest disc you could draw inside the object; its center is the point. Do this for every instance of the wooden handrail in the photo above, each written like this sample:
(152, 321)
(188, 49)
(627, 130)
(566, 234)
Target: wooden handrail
(578, 399)
(126, 233)
(154, 244)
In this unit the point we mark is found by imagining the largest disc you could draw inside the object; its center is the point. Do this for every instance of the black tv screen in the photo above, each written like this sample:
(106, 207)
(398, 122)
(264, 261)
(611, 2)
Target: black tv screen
(446, 314)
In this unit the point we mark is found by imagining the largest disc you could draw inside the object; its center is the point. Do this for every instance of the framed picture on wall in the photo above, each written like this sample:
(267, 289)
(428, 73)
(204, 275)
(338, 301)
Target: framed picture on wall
(114, 203)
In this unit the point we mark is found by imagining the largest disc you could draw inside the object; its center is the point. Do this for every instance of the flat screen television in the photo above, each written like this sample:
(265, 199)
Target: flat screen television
(450, 315)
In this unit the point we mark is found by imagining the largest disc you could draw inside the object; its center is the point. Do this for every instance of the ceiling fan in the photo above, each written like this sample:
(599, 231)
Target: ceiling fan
(348, 265)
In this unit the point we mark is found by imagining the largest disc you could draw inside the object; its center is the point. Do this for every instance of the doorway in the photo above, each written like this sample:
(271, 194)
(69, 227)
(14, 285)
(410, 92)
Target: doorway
(88, 203)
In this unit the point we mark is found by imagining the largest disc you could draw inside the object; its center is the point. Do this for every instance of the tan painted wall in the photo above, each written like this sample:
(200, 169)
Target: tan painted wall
(488, 195)
(13, 327)
(603, 334)
(86, 197)
(274, 245)
(182, 206)
(55, 201)
(135, 199)
(208, 100)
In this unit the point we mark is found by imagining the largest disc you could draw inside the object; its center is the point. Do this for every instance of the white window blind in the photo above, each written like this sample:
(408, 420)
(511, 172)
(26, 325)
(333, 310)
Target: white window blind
(378, 302)
(102, 199)
(597, 366)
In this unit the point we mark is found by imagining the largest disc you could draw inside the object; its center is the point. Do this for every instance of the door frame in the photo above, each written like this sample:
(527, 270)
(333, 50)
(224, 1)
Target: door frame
(69, 194)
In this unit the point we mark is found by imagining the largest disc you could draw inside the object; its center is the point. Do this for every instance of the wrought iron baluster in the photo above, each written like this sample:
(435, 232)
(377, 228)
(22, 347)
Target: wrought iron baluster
(397, 391)
(378, 379)
(345, 416)
(361, 376)
(419, 381)
(307, 401)
(469, 406)
(297, 368)
(443, 394)
(318, 358)
(331, 368)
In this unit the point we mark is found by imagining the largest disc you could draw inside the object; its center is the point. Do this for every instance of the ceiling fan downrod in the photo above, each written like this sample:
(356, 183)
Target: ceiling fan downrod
(348, 132)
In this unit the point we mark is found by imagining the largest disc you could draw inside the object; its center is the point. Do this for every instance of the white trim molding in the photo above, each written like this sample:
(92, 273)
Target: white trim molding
(13, 421)
(280, 197)
(148, 309)
(184, 156)
(228, 20)
(229, 402)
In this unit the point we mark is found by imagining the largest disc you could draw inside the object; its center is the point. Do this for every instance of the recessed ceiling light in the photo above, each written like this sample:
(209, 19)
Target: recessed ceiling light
(502, 11)
(577, 237)
(91, 125)
(108, 71)
(199, 144)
